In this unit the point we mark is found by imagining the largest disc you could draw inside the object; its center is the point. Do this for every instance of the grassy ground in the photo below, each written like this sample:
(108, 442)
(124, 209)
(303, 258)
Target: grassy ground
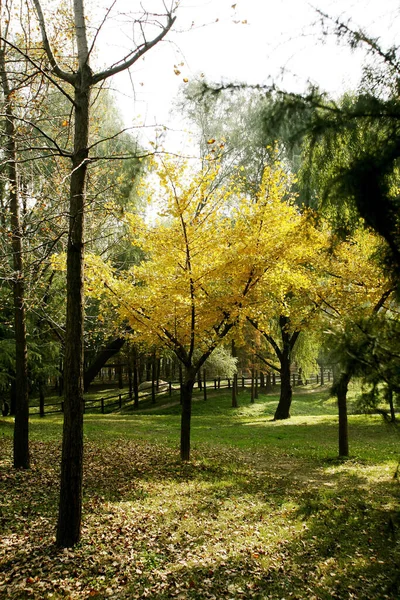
(264, 510)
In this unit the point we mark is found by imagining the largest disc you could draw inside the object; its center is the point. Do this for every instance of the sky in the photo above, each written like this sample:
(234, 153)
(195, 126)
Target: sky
(251, 41)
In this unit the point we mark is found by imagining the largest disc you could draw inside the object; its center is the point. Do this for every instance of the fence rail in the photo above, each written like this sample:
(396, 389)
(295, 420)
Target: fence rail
(108, 404)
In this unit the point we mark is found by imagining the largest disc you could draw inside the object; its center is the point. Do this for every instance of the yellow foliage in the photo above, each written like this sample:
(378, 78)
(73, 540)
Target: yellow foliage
(216, 256)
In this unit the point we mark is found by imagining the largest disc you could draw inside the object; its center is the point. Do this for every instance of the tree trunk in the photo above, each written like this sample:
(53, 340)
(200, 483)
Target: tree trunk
(21, 425)
(285, 358)
(135, 378)
(234, 386)
(391, 405)
(153, 379)
(41, 397)
(70, 508)
(234, 392)
(120, 373)
(285, 399)
(322, 375)
(341, 387)
(186, 396)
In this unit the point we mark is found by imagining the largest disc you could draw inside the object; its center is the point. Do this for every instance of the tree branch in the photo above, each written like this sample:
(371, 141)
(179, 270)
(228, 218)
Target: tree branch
(140, 51)
(68, 77)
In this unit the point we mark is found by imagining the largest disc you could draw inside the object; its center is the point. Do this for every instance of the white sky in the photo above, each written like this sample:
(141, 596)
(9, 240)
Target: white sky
(248, 41)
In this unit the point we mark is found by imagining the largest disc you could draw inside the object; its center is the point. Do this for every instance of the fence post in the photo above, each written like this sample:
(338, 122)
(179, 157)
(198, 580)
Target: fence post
(204, 384)
(242, 382)
(219, 382)
(294, 379)
(120, 401)
(170, 388)
(229, 384)
(273, 379)
(102, 405)
(215, 384)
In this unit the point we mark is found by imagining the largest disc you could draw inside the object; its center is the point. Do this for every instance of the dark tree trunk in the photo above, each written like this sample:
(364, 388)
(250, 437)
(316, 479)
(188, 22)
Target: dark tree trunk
(41, 397)
(13, 397)
(21, 425)
(391, 405)
(234, 392)
(341, 387)
(285, 358)
(322, 375)
(120, 373)
(235, 385)
(70, 508)
(130, 378)
(149, 364)
(135, 378)
(153, 378)
(186, 395)
(285, 398)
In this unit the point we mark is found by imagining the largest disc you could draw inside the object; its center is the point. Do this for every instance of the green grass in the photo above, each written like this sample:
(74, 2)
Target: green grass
(264, 510)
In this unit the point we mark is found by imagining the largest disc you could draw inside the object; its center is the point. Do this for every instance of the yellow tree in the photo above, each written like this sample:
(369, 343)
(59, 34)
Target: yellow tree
(209, 251)
(282, 317)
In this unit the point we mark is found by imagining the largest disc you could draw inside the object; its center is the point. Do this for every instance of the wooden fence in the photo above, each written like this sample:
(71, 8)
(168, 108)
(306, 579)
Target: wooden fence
(108, 404)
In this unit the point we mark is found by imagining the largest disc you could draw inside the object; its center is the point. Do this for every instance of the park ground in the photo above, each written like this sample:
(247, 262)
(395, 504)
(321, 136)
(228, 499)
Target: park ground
(264, 510)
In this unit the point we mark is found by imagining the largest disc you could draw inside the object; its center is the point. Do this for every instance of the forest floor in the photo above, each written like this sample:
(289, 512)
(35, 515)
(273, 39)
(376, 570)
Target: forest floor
(264, 510)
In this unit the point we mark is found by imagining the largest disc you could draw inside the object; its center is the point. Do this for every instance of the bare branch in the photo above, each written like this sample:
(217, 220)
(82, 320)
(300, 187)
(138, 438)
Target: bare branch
(140, 51)
(69, 77)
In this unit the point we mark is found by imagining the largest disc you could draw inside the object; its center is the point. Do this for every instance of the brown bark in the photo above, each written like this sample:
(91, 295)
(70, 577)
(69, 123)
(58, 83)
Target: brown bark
(135, 378)
(70, 508)
(285, 358)
(285, 398)
(21, 425)
(186, 396)
(252, 387)
(341, 387)
(234, 386)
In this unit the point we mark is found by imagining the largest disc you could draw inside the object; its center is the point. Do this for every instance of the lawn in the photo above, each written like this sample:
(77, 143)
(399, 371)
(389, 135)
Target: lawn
(264, 509)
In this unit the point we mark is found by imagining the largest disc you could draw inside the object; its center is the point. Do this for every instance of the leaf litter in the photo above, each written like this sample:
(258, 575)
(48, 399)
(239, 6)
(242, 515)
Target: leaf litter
(231, 524)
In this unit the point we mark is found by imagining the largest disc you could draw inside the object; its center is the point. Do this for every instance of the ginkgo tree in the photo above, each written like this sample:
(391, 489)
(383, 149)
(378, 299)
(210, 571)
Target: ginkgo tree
(208, 252)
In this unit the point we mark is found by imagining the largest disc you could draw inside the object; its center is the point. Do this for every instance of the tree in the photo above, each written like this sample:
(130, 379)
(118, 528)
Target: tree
(358, 293)
(10, 89)
(212, 254)
(350, 146)
(80, 77)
